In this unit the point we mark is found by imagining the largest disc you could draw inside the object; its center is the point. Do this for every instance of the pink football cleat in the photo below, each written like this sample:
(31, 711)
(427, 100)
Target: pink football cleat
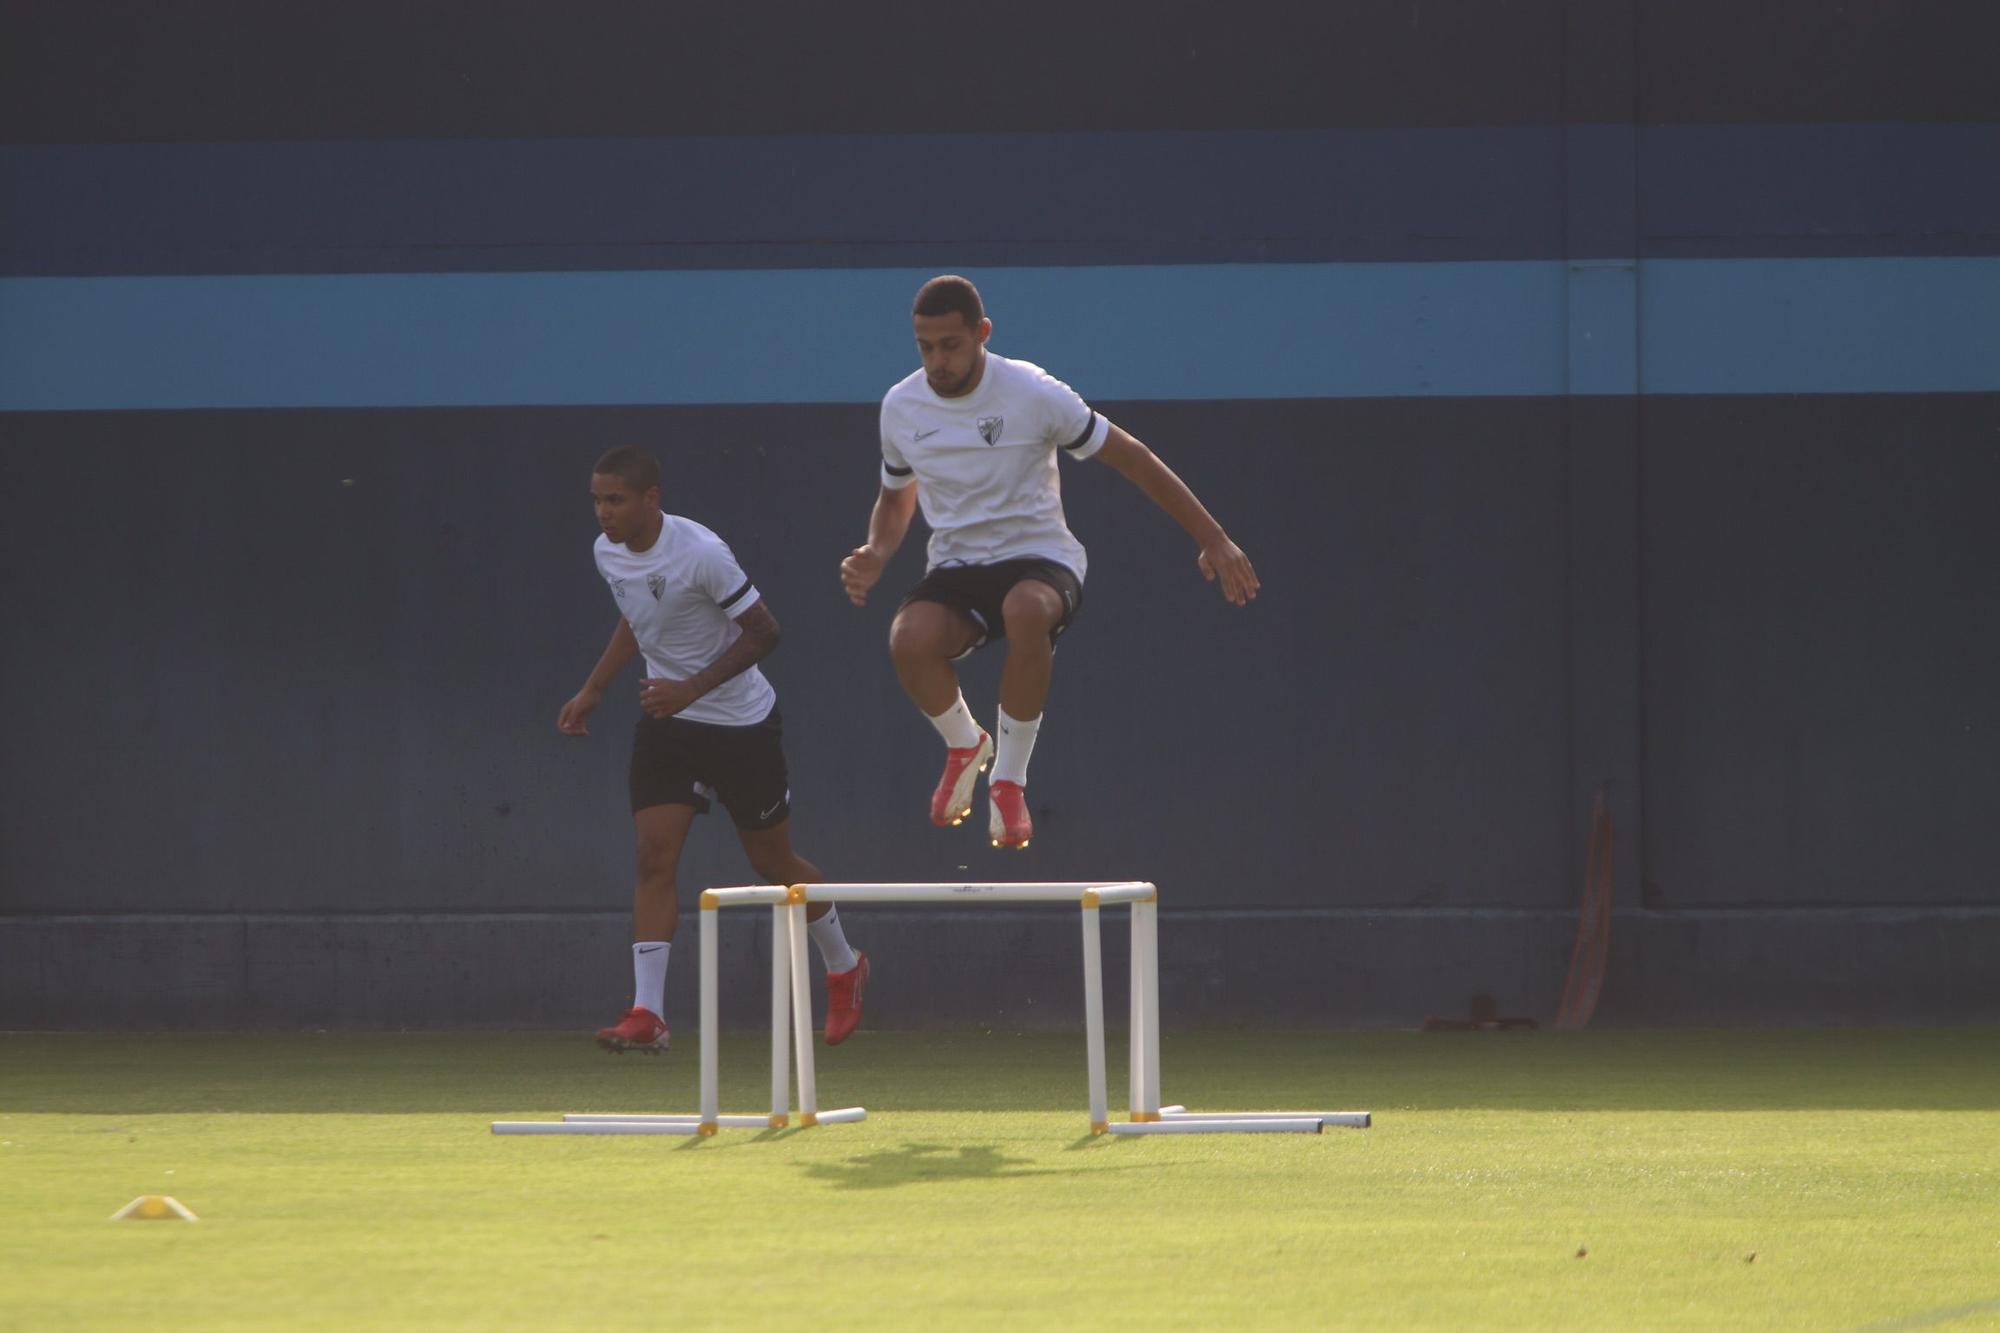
(639, 1030)
(952, 801)
(843, 1000)
(1009, 825)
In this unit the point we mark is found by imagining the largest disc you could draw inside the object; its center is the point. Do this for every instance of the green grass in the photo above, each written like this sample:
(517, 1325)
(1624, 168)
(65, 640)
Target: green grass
(348, 1181)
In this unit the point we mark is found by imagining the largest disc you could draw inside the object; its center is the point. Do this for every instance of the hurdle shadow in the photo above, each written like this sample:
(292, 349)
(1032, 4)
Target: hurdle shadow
(926, 1164)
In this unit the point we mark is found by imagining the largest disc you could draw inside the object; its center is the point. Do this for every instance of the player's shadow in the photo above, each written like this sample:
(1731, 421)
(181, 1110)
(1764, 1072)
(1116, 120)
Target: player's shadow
(925, 1164)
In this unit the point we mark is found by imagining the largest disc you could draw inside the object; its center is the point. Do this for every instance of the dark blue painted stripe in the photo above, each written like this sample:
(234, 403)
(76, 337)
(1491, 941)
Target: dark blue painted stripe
(797, 202)
(1130, 332)
(947, 202)
(1802, 191)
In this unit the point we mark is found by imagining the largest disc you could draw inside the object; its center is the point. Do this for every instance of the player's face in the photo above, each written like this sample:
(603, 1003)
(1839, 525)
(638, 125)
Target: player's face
(951, 350)
(621, 511)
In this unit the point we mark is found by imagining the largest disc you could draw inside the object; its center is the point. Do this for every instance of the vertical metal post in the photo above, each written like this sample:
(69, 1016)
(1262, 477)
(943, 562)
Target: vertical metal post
(781, 1016)
(1135, 1071)
(1148, 913)
(802, 1014)
(711, 1024)
(1093, 1012)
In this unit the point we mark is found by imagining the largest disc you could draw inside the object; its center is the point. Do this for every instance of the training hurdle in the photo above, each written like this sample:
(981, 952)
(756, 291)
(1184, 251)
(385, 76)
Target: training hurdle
(784, 1021)
(791, 999)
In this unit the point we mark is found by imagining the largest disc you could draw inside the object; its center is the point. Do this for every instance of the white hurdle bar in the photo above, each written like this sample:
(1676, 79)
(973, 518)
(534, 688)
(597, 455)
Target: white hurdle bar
(1143, 1072)
(709, 1119)
(791, 1015)
(1089, 895)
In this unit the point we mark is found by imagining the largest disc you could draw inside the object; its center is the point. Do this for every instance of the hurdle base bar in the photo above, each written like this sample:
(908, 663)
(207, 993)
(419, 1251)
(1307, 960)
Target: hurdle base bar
(1212, 1125)
(846, 1115)
(608, 1122)
(721, 1121)
(596, 1127)
(1332, 1119)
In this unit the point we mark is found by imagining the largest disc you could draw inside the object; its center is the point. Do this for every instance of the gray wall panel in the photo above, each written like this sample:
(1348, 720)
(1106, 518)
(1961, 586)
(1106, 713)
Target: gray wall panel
(279, 707)
(315, 666)
(1822, 646)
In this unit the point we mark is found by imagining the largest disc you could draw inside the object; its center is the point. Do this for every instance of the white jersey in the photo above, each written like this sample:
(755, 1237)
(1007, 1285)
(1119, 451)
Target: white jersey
(681, 596)
(986, 463)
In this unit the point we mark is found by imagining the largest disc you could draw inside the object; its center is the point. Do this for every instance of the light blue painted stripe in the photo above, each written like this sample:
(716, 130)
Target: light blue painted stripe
(1603, 327)
(1116, 333)
(1883, 325)
(1227, 331)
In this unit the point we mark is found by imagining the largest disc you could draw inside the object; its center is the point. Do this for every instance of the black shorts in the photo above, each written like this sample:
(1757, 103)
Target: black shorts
(678, 762)
(981, 590)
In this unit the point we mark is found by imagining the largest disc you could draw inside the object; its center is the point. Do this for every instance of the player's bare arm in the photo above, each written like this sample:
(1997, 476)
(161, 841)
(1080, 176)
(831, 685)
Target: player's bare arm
(574, 720)
(1222, 562)
(888, 524)
(660, 697)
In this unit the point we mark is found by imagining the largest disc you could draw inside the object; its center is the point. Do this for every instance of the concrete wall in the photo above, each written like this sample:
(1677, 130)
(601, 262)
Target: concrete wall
(1607, 392)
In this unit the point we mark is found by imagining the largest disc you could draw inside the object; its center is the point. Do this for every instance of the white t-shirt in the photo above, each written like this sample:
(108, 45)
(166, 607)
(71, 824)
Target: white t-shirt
(986, 463)
(681, 596)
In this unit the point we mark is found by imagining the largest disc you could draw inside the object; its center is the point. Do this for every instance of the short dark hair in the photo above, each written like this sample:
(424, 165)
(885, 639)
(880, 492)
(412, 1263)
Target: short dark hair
(631, 465)
(950, 294)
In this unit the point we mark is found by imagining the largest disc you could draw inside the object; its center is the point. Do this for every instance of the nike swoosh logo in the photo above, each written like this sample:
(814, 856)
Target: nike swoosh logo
(768, 813)
(655, 949)
(925, 434)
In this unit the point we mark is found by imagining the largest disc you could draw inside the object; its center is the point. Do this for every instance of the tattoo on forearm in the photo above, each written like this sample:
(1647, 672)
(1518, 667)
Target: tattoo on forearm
(759, 623)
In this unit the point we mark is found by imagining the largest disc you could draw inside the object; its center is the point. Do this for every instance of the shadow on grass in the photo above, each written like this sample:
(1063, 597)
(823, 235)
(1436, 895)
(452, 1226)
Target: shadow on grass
(934, 1163)
(923, 1164)
(529, 1075)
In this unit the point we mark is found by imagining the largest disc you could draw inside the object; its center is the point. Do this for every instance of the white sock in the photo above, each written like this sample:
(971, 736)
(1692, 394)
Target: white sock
(955, 724)
(1014, 746)
(834, 950)
(649, 975)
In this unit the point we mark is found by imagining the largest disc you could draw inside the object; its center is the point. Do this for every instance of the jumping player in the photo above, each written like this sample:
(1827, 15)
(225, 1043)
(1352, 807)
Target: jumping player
(974, 437)
(710, 729)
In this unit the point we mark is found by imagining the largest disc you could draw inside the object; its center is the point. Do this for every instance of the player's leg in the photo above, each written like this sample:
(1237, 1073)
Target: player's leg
(661, 833)
(1032, 610)
(1035, 611)
(926, 637)
(753, 781)
(665, 800)
(656, 906)
(777, 862)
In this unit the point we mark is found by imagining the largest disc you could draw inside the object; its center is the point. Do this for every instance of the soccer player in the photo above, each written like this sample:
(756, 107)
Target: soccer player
(974, 436)
(710, 729)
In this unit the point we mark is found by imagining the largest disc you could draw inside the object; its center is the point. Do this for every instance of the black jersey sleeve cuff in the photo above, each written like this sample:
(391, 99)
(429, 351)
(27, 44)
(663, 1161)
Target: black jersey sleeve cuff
(1089, 429)
(734, 597)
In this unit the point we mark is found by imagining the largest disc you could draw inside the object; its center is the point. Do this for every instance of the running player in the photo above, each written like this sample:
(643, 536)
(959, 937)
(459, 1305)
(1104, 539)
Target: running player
(974, 437)
(710, 729)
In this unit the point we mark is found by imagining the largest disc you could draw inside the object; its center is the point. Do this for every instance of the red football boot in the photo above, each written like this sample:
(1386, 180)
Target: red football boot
(952, 801)
(843, 999)
(639, 1030)
(1009, 825)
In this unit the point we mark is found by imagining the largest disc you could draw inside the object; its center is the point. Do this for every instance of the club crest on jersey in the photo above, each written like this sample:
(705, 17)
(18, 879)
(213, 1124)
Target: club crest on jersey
(656, 584)
(990, 428)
